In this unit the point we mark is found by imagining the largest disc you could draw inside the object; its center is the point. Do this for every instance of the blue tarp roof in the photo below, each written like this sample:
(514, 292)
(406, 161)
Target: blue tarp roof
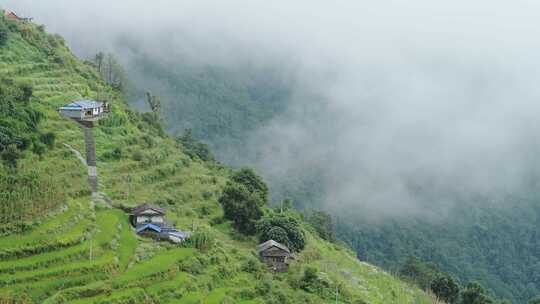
(148, 226)
(84, 104)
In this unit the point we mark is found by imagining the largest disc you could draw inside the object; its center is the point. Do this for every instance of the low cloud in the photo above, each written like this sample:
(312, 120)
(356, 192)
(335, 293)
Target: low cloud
(400, 105)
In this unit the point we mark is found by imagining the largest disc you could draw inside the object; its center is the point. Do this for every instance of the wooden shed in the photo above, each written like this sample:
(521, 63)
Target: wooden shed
(275, 255)
(147, 214)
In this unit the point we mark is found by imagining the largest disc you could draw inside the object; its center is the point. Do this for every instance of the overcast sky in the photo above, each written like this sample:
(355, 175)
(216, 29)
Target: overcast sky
(415, 93)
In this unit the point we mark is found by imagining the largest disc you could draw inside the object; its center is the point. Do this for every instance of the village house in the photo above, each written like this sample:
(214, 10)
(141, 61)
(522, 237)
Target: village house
(149, 221)
(88, 110)
(275, 255)
(147, 214)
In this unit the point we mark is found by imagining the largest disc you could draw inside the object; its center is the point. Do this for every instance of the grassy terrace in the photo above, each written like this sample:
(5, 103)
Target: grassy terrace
(84, 252)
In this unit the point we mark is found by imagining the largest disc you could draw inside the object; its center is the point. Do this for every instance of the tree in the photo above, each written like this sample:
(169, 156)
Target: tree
(282, 228)
(193, 147)
(253, 182)
(419, 272)
(242, 207)
(323, 224)
(154, 102)
(474, 293)
(445, 288)
(277, 234)
(98, 61)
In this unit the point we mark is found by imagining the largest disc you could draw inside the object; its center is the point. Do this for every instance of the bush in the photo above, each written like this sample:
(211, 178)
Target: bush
(10, 156)
(48, 139)
(252, 265)
(38, 149)
(26, 91)
(194, 148)
(242, 207)
(445, 288)
(474, 293)
(281, 228)
(322, 223)
(201, 240)
(253, 182)
(137, 155)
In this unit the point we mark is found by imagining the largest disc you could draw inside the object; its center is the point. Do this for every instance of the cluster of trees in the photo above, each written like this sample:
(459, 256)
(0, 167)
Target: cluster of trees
(193, 147)
(19, 120)
(110, 70)
(245, 201)
(496, 243)
(429, 277)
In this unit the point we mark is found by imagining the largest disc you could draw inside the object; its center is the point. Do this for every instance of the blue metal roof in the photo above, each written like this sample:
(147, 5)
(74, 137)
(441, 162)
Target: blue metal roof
(148, 226)
(84, 104)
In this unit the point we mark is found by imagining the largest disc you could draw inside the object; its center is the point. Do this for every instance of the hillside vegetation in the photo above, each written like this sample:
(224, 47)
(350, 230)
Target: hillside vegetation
(58, 245)
(486, 237)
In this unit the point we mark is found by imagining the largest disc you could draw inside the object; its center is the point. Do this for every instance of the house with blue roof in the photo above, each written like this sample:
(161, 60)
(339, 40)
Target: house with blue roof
(88, 110)
(149, 221)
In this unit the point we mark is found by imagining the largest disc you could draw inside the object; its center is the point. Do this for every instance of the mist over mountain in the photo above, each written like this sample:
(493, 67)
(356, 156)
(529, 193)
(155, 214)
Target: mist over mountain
(387, 98)
(376, 111)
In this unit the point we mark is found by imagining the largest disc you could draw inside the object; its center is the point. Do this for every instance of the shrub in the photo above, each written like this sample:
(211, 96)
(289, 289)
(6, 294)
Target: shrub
(322, 223)
(201, 240)
(445, 288)
(281, 228)
(48, 138)
(194, 148)
(242, 207)
(253, 182)
(252, 265)
(26, 91)
(137, 155)
(10, 156)
(38, 149)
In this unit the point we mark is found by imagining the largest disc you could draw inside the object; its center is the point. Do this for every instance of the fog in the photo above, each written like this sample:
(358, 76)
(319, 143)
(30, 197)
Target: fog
(400, 104)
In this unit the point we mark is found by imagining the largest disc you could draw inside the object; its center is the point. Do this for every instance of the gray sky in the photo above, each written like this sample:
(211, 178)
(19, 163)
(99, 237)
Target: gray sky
(391, 95)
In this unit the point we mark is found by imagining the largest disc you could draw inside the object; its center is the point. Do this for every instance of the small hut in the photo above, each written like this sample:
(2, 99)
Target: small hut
(275, 255)
(149, 220)
(147, 214)
(85, 110)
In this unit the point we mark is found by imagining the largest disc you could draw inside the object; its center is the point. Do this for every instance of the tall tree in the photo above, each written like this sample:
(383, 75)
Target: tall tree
(474, 293)
(242, 207)
(445, 288)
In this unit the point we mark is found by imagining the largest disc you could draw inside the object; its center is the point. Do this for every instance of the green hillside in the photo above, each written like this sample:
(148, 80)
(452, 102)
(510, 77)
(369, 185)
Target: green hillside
(59, 245)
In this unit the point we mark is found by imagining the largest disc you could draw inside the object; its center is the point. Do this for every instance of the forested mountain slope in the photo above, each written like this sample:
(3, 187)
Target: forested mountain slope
(485, 236)
(58, 245)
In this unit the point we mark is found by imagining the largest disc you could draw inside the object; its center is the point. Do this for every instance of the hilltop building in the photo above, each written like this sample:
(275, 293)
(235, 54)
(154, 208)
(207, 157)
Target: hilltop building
(275, 255)
(85, 110)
